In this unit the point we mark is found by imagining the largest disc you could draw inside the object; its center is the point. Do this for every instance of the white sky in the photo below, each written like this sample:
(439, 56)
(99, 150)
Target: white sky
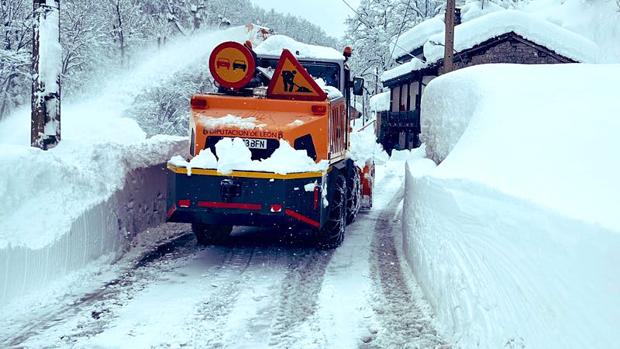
(328, 14)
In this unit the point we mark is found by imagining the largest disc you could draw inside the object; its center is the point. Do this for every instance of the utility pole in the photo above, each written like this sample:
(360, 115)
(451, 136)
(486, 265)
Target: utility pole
(46, 70)
(448, 60)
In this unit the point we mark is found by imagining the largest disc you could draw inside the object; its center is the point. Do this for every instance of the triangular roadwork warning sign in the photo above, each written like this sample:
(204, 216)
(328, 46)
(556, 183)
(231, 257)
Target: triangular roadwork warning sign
(292, 81)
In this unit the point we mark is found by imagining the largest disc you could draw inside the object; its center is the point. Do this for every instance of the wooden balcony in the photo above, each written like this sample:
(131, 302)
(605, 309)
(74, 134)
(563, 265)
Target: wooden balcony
(409, 120)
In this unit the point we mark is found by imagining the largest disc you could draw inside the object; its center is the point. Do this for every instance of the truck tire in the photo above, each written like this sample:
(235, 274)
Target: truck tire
(210, 234)
(332, 233)
(354, 196)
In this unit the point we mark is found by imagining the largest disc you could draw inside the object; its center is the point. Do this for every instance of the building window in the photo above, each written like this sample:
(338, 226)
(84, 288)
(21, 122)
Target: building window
(395, 98)
(404, 97)
(413, 93)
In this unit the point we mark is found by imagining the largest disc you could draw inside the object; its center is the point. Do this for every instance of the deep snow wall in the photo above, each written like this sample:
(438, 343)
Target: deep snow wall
(103, 231)
(503, 273)
(515, 236)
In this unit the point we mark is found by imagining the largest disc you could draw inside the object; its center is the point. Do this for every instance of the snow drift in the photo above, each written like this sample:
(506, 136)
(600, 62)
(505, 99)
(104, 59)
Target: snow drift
(515, 237)
(102, 185)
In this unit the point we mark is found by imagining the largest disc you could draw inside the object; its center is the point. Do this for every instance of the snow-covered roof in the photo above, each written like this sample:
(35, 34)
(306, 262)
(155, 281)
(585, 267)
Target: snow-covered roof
(416, 37)
(413, 65)
(274, 45)
(380, 102)
(467, 35)
(483, 28)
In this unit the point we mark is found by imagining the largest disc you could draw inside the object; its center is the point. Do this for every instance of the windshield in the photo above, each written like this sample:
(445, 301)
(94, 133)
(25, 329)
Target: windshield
(329, 72)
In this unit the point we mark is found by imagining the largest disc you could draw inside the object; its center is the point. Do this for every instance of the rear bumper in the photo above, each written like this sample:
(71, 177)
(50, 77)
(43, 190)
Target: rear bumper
(245, 198)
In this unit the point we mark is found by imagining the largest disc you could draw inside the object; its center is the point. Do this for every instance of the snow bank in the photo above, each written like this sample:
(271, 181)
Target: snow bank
(380, 102)
(542, 32)
(515, 237)
(88, 197)
(537, 134)
(233, 155)
(274, 45)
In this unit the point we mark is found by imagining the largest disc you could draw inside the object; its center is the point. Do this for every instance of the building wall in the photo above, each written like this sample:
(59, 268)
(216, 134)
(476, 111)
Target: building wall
(508, 51)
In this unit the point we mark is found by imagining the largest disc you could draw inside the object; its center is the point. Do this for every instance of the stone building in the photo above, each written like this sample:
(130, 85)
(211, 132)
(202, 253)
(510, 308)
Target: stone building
(498, 36)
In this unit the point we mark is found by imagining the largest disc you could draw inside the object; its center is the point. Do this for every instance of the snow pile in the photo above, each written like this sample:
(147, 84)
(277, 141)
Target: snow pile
(403, 69)
(332, 92)
(274, 45)
(556, 156)
(544, 33)
(515, 237)
(233, 154)
(229, 121)
(364, 147)
(380, 102)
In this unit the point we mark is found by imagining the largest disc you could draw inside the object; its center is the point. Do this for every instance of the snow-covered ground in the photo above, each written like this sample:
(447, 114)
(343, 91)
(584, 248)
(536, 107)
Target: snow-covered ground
(515, 237)
(263, 289)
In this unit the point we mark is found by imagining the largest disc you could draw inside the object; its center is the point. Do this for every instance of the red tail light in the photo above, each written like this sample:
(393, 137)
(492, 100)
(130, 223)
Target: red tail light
(316, 197)
(276, 208)
(199, 102)
(185, 203)
(319, 109)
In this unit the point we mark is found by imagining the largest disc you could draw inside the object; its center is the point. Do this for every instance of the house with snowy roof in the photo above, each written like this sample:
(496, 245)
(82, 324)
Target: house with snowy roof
(481, 36)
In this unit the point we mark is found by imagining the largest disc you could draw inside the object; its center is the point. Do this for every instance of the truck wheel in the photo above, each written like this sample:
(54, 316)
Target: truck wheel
(210, 234)
(354, 196)
(332, 233)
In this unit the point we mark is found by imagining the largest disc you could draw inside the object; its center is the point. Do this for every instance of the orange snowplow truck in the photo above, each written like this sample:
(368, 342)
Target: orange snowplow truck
(281, 97)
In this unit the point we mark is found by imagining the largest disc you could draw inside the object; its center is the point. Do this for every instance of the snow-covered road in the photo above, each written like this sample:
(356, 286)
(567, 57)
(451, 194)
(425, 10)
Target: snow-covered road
(259, 290)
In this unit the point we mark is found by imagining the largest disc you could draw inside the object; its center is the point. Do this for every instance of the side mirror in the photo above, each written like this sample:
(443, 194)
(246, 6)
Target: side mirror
(358, 86)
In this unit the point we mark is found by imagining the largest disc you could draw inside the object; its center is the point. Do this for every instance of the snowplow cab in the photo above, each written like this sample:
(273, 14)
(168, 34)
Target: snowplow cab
(269, 149)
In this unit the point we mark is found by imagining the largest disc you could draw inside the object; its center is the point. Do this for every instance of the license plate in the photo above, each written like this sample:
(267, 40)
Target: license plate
(253, 143)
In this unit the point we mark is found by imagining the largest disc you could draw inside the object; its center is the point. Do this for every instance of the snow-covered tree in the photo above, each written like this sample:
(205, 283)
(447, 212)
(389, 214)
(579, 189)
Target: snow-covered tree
(15, 51)
(375, 28)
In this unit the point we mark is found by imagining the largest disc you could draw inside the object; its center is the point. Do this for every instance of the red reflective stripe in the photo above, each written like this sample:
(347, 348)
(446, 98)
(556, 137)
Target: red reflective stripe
(234, 205)
(171, 211)
(302, 218)
(316, 197)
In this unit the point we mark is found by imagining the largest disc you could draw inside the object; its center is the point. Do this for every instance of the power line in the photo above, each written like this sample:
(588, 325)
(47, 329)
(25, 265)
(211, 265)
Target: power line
(400, 30)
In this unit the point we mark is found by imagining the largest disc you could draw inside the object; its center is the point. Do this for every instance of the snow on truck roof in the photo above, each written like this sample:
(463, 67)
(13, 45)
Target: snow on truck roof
(274, 45)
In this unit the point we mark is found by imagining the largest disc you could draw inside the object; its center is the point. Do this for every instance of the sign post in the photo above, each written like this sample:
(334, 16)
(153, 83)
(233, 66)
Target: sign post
(46, 70)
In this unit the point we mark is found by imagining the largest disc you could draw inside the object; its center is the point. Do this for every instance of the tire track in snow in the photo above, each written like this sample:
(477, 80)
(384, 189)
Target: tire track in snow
(402, 322)
(209, 322)
(298, 299)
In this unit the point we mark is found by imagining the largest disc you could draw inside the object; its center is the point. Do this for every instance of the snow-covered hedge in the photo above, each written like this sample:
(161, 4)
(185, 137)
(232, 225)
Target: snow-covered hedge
(515, 237)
